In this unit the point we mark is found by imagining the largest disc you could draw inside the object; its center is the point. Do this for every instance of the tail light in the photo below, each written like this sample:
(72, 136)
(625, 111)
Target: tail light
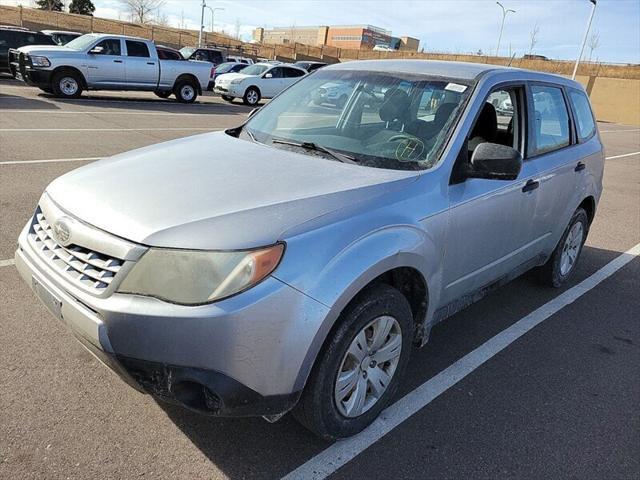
(213, 72)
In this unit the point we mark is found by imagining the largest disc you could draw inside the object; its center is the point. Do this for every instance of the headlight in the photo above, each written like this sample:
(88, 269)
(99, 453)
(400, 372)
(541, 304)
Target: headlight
(40, 62)
(236, 81)
(194, 277)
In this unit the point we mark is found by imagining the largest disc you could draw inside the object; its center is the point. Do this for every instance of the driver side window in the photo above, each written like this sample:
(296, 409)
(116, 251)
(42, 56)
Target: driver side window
(499, 120)
(110, 46)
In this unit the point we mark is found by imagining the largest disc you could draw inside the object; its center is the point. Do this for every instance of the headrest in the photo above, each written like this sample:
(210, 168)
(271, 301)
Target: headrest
(487, 124)
(443, 113)
(395, 105)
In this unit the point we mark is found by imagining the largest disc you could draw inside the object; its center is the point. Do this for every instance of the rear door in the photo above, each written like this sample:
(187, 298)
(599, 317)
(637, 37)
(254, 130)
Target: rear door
(106, 69)
(142, 69)
(291, 76)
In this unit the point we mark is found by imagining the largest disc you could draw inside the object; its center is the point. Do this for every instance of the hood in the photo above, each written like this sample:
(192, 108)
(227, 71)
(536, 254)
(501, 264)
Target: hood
(227, 77)
(45, 48)
(214, 191)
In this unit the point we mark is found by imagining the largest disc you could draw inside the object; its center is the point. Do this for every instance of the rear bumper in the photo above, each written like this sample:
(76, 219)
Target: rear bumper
(244, 356)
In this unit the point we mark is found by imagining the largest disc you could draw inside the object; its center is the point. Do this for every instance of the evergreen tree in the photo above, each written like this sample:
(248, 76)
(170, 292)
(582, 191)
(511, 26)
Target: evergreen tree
(83, 7)
(51, 5)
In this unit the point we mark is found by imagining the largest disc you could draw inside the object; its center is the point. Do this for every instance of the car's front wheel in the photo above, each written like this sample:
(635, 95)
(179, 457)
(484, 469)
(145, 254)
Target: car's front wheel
(561, 265)
(66, 84)
(359, 369)
(251, 96)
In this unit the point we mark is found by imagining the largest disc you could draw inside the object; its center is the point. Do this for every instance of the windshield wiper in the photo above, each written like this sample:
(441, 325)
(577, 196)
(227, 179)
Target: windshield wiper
(341, 157)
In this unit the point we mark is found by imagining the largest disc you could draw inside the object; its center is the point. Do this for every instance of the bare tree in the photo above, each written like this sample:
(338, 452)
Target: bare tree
(238, 26)
(142, 11)
(594, 43)
(182, 24)
(533, 38)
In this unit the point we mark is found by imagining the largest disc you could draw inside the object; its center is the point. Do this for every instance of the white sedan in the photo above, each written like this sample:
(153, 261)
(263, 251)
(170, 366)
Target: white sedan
(262, 80)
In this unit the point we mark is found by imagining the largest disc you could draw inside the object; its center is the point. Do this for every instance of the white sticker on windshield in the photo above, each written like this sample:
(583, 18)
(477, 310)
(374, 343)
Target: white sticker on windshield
(455, 87)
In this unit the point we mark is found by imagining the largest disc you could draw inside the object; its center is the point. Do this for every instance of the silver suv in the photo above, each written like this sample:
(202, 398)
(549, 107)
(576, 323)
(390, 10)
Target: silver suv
(293, 262)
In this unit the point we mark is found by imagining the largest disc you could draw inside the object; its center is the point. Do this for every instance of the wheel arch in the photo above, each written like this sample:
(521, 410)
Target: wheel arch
(67, 68)
(589, 206)
(188, 77)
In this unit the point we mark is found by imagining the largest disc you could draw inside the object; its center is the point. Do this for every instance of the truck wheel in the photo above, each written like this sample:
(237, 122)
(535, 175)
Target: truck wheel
(359, 368)
(186, 91)
(251, 96)
(227, 98)
(67, 85)
(46, 89)
(163, 94)
(561, 265)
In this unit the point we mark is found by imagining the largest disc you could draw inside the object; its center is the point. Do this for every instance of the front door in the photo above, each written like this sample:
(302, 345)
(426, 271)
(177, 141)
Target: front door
(271, 82)
(490, 232)
(105, 68)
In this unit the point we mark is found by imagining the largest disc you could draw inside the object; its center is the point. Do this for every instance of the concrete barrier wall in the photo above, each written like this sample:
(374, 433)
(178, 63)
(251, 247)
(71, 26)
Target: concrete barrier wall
(614, 99)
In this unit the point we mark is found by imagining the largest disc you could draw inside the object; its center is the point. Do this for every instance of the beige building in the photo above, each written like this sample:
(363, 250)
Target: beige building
(342, 36)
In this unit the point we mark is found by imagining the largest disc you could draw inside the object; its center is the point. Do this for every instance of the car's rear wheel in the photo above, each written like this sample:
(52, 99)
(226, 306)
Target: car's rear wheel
(227, 98)
(66, 85)
(560, 267)
(163, 94)
(251, 96)
(186, 91)
(359, 369)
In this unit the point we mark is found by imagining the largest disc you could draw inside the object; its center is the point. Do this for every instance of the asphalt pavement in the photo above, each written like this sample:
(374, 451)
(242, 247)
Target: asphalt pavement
(561, 401)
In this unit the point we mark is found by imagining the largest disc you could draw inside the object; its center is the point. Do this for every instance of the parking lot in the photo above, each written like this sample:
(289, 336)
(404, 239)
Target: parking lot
(558, 399)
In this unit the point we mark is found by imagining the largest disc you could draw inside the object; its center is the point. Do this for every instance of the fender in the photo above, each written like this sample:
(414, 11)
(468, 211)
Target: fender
(357, 265)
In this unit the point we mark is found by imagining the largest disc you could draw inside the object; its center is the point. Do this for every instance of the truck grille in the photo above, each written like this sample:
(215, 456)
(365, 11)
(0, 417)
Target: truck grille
(89, 269)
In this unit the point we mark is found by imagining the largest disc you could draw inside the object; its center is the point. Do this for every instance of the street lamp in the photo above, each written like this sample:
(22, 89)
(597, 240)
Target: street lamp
(213, 10)
(505, 12)
(584, 41)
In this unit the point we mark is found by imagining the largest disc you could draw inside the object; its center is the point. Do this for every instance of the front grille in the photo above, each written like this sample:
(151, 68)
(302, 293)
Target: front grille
(92, 270)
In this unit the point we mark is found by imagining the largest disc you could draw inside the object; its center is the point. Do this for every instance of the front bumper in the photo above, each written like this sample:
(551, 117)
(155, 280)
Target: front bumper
(21, 68)
(229, 90)
(239, 357)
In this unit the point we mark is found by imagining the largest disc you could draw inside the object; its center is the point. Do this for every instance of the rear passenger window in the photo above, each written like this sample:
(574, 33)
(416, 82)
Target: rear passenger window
(137, 49)
(584, 117)
(551, 120)
(292, 72)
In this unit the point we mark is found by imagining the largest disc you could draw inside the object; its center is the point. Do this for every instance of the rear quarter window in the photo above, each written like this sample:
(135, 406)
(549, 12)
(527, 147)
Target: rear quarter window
(585, 122)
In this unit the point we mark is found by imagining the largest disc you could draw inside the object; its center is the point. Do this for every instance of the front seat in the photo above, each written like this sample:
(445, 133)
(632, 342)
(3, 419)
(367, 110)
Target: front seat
(395, 108)
(485, 129)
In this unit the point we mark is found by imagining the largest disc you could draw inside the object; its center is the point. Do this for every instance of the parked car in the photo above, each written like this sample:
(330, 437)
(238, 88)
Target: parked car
(14, 37)
(258, 81)
(383, 48)
(204, 54)
(227, 67)
(62, 37)
(240, 59)
(333, 93)
(292, 262)
(168, 53)
(310, 66)
(108, 62)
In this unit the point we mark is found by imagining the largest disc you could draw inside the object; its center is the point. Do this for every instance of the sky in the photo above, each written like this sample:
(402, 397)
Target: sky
(449, 26)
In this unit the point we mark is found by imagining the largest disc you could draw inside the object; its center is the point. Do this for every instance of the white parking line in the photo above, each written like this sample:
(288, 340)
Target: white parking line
(6, 263)
(621, 130)
(622, 156)
(71, 130)
(341, 452)
(91, 112)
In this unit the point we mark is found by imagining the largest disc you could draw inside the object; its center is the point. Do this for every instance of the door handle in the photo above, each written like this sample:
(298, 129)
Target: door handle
(579, 167)
(150, 63)
(117, 61)
(530, 185)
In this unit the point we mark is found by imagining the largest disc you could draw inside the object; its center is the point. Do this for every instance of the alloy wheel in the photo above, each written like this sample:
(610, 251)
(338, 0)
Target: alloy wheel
(571, 248)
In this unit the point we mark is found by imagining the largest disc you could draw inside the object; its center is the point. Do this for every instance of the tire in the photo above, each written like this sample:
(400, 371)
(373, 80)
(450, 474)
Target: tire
(319, 409)
(67, 84)
(163, 94)
(227, 98)
(185, 91)
(251, 96)
(560, 267)
(46, 89)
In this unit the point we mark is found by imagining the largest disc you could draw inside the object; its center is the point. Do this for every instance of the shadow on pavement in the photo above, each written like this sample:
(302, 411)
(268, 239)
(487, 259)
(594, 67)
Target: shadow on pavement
(17, 102)
(252, 448)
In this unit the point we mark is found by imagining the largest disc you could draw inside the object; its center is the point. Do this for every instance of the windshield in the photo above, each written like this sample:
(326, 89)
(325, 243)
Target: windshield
(224, 67)
(83, 42)
(380, 119)
(256, 69)
(187, 51)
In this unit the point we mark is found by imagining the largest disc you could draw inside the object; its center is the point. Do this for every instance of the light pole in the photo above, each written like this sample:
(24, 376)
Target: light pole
(584, 40)
(213, 11)
(201, 24)
(505, 12)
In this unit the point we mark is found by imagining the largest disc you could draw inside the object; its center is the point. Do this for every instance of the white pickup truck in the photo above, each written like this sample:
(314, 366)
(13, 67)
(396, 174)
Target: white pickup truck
(108, 62)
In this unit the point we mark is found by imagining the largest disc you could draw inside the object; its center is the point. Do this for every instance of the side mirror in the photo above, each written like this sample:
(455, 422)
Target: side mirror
(268, 75)
(253, 112)
(96, 50)
(494, 161)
